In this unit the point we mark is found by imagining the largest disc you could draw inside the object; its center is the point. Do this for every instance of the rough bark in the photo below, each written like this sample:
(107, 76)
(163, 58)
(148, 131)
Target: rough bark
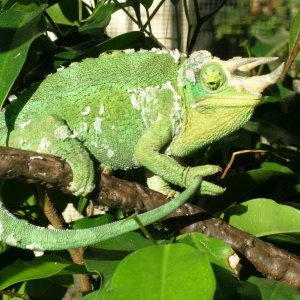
(128, 196)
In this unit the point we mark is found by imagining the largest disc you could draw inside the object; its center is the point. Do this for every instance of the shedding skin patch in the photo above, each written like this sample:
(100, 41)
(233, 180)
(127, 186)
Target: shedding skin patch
(127, 51)
(11, 240)
(86, 111)
(177, 111)
(23, 125)
(23, 142)
(34, 247)
(74, 135)
(176, 55)
(97, 126)
(38, 253)
(190, 76)
(1, 229)
(110, 153)
(101, 110)
(134, 102)
(61, 133)
(43, 145)
(144, 100)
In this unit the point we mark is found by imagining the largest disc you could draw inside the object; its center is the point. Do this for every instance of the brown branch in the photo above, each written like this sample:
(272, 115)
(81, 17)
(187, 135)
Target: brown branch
(56, 220)
(267, 259)
(34, 167)
(17, 295)
(292, 56)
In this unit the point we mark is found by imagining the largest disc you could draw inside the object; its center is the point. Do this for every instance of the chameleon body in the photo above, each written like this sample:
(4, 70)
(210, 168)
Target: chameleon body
(131, 109)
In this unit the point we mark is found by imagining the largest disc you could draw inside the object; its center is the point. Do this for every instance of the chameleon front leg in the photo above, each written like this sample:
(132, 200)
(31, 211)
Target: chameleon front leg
(52, 135)
(148, 154)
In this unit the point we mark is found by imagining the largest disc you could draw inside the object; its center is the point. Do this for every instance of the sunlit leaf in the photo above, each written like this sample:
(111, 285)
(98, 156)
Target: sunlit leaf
(263, 217)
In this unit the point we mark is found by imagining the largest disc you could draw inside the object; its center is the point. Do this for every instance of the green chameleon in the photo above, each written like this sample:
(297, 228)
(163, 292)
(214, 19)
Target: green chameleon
(126, 110)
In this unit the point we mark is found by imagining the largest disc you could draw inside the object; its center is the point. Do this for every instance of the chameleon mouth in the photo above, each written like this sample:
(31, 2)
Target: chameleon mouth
(237, 101)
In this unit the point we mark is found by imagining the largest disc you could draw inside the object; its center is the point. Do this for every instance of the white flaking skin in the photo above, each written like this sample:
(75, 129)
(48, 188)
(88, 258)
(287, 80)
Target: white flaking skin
(110, 153)
(1, 229)
(11, 240)
(86, 111)
(43, 145)
(61, 133)
(101, 110)
(97, 125)
(23, 125)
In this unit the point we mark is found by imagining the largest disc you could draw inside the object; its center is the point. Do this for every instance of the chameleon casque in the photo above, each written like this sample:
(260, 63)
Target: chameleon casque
(126, 110)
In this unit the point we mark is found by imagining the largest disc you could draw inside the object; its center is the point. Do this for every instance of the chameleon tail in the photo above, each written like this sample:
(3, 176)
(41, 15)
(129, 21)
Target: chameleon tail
(21, 234)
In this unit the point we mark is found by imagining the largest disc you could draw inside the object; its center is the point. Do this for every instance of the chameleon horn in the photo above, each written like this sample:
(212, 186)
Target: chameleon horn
(259, 83)
(246, 64)
(259, 61)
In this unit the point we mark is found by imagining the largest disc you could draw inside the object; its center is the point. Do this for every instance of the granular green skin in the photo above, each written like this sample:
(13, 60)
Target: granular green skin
(125, 110)
(73, 91)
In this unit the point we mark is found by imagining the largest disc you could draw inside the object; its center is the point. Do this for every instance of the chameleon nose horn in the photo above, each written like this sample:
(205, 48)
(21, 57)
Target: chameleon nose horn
(246, 64)
(259, 83)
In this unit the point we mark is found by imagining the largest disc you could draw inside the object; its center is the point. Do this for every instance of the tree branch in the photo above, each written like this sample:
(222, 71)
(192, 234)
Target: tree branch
(53, 172)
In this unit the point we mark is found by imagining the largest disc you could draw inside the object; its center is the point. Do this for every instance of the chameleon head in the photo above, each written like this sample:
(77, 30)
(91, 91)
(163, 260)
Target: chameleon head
(210, 81)
(220, 97)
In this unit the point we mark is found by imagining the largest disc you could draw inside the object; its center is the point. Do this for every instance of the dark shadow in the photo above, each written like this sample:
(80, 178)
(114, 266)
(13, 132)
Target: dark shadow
(12, 38)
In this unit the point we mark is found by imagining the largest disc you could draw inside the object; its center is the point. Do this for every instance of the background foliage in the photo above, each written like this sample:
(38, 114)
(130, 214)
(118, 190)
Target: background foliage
(262, 194)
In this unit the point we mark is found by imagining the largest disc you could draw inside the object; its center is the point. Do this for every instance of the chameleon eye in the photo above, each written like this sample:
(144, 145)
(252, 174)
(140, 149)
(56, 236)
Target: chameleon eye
(212, 76)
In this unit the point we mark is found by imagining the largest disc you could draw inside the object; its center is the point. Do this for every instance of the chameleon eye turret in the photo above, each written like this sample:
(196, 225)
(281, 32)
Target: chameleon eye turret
(212, 76)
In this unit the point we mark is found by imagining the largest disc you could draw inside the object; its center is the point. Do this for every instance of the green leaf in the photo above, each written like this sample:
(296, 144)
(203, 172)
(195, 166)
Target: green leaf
(129, 241)
(104, 257)
(146, 3)
(17, 31)
(99, 19)
(133, 39)
(295, 31)
(263, 217)
(46, 289)
(93, 222)
(82, 204)
(266, 289)
(25, 5)
(248, 182)
(217, 251)
(92, 296)
(40, 267)
(65, 12)
(174, 271)
(273, 132)
(219, 254)
(269, 45)
(103, 262)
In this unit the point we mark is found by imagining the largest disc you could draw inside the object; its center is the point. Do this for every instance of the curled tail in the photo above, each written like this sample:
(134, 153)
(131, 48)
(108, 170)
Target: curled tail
(21, 234)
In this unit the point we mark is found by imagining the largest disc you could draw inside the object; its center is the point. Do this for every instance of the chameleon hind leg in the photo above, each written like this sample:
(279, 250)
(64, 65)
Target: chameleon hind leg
(52, 135)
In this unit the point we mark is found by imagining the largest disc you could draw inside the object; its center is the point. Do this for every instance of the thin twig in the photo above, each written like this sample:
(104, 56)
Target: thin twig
(156, 9)
(186, 12)
(57, 222)
(292, 56)
(142, 28)
(17, 295)
(234, 154)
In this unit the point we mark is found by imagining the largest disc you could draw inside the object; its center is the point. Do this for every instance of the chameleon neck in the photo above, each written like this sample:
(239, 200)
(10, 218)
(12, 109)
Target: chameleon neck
(207, 125)
(27, 236)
